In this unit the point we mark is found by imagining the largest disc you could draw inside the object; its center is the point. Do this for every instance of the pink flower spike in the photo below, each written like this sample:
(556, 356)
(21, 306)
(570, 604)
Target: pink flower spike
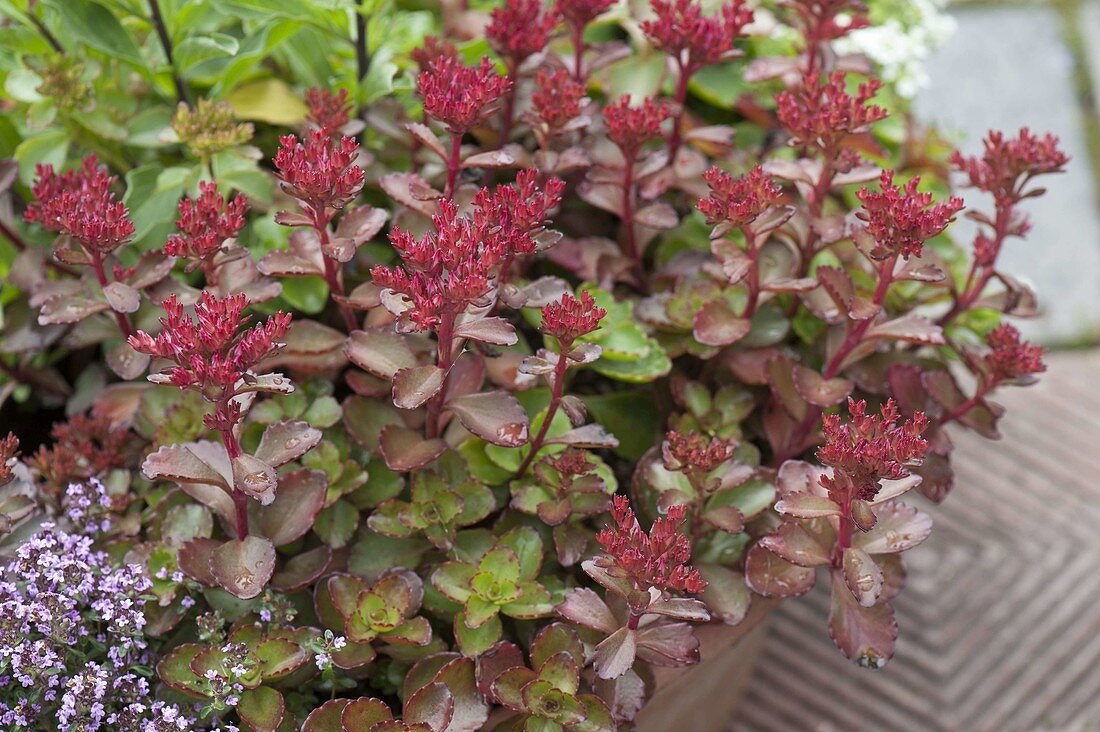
(328, 111)
(695, 40)
(630, 127)
(320, 172)
(205, 223)
(823, 114)
(1007, 164)
(1011, 358)
(460, 96)
(579, 13)
(738, 201)
(870, 448)
(519, 29)
(571, 318)
(80, 204)
(658, 559)
(900, 220)
(557, 98)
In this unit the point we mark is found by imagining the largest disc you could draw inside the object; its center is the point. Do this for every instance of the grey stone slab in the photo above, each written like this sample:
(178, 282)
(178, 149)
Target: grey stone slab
(1007, 67)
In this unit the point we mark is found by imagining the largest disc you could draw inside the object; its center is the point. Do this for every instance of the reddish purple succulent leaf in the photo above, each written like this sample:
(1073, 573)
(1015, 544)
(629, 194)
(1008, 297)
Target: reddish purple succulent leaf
(726, 595)
(286, 441)
(379, 352)
(404, 449)
(495, 330)
(796, 545)
(717, 325)
(806, 506)
(668, 644)
(414, 386)
(587, 609)
(863, 576)
(768, 574)
(433, 705)
(243, 566)
(300, 497)
(818, 391)
(864, 634)
(494, 416)
(261, 708)
(615, 654)
(898, 529)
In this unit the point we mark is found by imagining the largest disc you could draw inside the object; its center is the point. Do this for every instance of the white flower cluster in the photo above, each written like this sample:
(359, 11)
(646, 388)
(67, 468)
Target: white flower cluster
(901, 45)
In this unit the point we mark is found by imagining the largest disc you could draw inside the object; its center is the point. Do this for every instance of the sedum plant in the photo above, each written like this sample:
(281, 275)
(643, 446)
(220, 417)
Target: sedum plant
(448, 369)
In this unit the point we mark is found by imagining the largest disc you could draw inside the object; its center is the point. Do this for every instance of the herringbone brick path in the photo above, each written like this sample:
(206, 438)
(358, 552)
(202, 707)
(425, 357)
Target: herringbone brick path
(1000, 623)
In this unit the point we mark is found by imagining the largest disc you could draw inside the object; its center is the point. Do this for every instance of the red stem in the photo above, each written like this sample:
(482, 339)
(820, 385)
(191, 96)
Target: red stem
(628, 217)
(753, 276)
(444, 350)
(233, 449)
(973, 289)
(333, 275)
(122, 319)
(509, 111)
(453, 164)
(556, 390)
(676, 137)
(969, 404)
(578, 52)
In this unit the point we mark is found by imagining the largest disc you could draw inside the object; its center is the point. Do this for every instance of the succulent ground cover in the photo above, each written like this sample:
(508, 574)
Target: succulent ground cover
(453, 382)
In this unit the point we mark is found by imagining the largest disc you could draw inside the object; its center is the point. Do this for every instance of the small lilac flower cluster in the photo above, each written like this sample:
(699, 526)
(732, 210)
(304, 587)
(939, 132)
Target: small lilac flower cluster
(71, 633)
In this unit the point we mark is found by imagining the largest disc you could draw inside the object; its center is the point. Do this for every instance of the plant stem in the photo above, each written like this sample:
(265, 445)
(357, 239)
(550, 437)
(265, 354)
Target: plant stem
(855, 335)
(166, 44)
(631, 243)
(444, 347)
(240, 500)
(45, 33)
(507, 114)
(122, 319)
(333, 276)
(453, 163)
(966, 406)
(974, 287)
(362, 51)
(577, 33)
(676, 137)
(556, 390)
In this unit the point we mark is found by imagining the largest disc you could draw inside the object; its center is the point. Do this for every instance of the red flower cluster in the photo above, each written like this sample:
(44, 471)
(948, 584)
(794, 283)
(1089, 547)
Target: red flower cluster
(516, 213)
(460, 96)
(205, 223)
(328, 111)
(738, 201)
(446, 270)
(572, 462)
(1011, 357)
(319, 172)
(658, 559)
(691, 38)
(630, 127)
(579, 13)
(823, 114)
(85, 446)
(209, 353)
(433, 48)
(443, 271)
(80, 203)
(827, 20)
(684, 451)
(519, 29)
(557, 98)
(900, 220)
(868, 448)
(1008, 164)
(570, 318)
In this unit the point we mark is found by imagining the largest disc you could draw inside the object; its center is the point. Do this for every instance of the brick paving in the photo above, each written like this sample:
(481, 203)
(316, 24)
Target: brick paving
(999, 625)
